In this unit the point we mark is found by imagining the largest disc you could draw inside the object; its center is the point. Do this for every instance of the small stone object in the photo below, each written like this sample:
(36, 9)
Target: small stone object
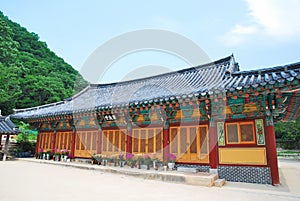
(219, 182)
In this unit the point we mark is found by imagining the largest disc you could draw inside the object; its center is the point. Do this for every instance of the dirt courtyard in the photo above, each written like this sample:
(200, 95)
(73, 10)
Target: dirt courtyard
(29, 181)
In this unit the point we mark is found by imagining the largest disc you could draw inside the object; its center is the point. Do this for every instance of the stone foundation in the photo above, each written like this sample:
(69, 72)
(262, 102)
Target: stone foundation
(259, 175)
(201, 168)
(248, 174)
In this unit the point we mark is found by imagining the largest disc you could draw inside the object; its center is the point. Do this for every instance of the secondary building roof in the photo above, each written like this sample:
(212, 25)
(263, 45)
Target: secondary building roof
(7, 126)
(220, 76)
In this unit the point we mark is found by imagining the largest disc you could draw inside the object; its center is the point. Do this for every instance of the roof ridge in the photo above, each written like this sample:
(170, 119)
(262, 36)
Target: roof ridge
(211, 65)
(270, 69)
(38, 107)
(202, 66)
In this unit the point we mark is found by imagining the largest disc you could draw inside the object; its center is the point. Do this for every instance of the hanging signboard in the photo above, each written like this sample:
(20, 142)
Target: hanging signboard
(110, 117)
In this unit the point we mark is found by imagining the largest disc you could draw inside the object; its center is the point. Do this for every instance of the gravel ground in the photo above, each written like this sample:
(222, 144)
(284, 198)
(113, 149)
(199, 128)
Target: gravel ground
(27, 181)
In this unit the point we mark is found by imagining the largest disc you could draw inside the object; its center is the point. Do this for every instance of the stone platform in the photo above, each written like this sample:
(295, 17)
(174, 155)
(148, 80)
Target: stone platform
(190, 178)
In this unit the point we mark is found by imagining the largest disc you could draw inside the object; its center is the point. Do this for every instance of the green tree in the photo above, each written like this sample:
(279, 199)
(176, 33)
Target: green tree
(30, 73)
(288, 134)
(8, 47)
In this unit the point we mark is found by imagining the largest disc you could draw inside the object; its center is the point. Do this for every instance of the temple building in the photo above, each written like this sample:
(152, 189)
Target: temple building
(213, 117)
(8, 130)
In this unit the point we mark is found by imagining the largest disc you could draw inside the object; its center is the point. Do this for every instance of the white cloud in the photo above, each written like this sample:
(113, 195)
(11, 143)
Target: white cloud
(238, 34)
(277, 17)
(241, 30)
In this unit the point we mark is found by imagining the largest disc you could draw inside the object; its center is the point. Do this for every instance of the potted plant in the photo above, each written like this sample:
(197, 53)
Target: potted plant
(69, 158)
(104, 160)
(48, 154)
(140, 160)
(39, 155)
(147, 161)
(171, 160)
(130, 159)
(121, 160)
(96, 159)
(156, 162)
(42, 154)
(114, 159)
(64, 154)
(57, 155)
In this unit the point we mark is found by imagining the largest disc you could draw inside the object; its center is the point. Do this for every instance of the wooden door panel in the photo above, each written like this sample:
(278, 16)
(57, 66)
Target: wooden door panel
(113, 142)
(135, 141)
(189, 143)
(174, 141)
(85, 143)
(123, 141)
(193, 149)
(117, 141)
(151, 140)
(147, 141)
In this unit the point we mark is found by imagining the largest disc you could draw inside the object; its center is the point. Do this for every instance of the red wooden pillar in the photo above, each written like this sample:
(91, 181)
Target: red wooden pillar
(37, 145)
(213, 140)
(73, 141)
(166, 140)
(271, 150)
(54, 140)
(129, 138)
(99, 141)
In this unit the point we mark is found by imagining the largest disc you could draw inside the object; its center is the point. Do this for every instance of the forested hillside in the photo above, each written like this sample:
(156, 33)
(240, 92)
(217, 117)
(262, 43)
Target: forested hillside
(30, 73)
(288, 134)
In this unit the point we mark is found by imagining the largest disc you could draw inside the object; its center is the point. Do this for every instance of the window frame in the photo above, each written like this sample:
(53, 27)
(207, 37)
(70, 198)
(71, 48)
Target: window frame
(239, 133)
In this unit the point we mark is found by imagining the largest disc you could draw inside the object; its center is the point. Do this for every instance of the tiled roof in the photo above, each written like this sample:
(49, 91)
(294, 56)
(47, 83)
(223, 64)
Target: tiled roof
(262, 77)
(7, 126)
(222, 75)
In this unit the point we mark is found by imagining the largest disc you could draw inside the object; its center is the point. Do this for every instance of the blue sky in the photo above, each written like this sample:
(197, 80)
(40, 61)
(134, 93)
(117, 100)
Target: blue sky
(259, 33)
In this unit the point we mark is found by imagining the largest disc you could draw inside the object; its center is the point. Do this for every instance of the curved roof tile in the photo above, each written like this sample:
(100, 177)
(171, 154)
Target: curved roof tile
(7, 126)
(221, 75)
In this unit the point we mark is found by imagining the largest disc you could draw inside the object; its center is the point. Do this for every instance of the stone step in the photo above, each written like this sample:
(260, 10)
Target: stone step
(187, 169)
(205, 179)
(219, 182)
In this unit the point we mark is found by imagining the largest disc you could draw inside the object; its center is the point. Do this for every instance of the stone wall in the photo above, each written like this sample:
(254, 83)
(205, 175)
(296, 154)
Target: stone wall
(260, 175)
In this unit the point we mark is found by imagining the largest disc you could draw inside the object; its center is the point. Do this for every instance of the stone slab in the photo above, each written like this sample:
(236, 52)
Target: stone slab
(187, 169)
(198, 179)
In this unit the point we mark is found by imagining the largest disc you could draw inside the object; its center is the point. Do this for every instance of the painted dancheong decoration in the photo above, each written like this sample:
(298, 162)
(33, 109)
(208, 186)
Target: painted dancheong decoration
(260, 133)
(211, 116)
(221, 134)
